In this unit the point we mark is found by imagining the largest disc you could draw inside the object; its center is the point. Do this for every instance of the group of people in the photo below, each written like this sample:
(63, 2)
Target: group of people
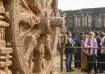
(88, 50)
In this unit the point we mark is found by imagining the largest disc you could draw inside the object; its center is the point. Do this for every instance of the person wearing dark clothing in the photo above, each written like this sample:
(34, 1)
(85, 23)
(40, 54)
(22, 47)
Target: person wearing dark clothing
(78, 51)
(69, 52)
(99, 50)
(102, 53)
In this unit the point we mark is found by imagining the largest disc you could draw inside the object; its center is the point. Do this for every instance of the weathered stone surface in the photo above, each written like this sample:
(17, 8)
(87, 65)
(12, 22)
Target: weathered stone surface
(86, 19)
(30, 30)
(5, 61)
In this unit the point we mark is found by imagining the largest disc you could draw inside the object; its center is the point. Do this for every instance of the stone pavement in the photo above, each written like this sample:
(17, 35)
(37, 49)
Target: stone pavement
(57, 68)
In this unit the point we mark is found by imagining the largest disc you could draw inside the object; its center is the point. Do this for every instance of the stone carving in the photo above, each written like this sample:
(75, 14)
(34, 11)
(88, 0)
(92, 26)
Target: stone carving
(32, 29)
(36, 26)
(5, 51)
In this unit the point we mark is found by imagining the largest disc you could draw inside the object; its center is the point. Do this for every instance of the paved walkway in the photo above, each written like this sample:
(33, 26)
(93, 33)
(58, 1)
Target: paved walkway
(57, 68)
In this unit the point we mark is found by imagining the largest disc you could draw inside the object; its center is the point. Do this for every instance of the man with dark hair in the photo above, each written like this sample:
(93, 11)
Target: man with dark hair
(102, 52)
(69, 51)
(98, 51)
(78, 50)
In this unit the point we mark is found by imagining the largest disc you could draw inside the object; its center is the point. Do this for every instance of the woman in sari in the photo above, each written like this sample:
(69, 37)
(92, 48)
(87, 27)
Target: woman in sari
(83, 55)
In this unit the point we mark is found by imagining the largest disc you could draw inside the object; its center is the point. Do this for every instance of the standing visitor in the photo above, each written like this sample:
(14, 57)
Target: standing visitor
(91, 43)
(83, 55)
(75, 51)
(78, 50)
(102, 53)
(69, 51)
(97, 34)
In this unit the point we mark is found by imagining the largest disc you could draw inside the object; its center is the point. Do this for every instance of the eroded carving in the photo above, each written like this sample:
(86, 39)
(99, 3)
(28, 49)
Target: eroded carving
(35, 27)
(5, 56)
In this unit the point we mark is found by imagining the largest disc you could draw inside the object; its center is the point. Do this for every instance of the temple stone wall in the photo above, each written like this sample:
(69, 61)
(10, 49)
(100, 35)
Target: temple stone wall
(86, 19)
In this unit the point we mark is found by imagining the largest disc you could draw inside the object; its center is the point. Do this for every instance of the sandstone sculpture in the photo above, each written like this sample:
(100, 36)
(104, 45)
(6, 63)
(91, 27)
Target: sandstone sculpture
(31, 28)
(5, 50)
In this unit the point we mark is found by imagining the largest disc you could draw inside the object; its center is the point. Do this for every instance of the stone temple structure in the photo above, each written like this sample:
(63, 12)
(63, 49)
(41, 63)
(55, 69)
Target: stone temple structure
(86, 19)
(29, 36)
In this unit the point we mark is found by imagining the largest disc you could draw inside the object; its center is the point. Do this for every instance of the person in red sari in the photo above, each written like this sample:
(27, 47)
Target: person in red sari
(91, 53)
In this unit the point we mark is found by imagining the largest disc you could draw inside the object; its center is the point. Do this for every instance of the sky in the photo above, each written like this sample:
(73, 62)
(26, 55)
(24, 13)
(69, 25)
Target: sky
(80, 4)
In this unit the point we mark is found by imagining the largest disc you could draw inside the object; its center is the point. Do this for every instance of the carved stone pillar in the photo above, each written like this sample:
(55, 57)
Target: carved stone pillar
(79, 21)
(85, 25)
(4, 51)
(103, 19)
(76, 22)
(89, 20)
(100, 20)
(82, 21)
